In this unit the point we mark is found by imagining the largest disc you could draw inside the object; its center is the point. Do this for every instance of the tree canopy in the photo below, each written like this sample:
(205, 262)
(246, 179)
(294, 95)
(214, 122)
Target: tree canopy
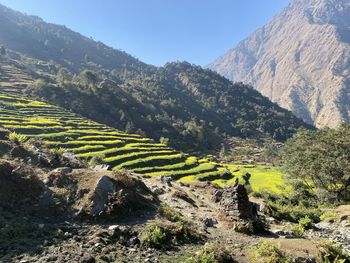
(319, 162)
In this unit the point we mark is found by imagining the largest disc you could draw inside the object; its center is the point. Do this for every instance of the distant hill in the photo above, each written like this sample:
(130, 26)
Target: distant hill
(299, 60)
(33, 37)
(196, 109)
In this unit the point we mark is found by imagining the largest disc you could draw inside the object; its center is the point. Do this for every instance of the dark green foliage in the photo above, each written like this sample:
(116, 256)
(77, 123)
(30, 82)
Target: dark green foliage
(196, 109)
(292, 213)
(318, 163)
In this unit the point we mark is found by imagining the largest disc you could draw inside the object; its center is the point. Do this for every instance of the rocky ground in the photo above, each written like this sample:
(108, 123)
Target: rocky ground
(64, 211)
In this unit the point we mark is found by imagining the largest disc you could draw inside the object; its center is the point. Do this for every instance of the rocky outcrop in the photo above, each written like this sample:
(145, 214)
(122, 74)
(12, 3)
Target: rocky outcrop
(299, 60)
(234, 203)
(117, 196)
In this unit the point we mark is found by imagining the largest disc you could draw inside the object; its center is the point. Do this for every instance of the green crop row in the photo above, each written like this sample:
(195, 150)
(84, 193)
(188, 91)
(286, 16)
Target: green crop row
(138, 163)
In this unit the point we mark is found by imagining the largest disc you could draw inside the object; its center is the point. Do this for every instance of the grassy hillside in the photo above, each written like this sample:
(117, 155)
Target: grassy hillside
(62, 129)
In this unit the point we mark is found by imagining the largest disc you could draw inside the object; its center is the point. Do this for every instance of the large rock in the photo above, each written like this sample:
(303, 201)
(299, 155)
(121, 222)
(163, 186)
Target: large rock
(118, 195)
(104, 188)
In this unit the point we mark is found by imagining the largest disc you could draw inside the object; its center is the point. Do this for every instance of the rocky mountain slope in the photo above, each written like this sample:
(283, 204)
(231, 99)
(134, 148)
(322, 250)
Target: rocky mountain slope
(195, 108)
(299, 60)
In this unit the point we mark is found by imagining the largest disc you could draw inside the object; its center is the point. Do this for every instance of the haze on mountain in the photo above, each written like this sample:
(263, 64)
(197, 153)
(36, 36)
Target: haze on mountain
(180, 101)
(299, 60)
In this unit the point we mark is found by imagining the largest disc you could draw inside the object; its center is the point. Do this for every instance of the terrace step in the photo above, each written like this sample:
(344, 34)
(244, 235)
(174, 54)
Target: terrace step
(61, 128)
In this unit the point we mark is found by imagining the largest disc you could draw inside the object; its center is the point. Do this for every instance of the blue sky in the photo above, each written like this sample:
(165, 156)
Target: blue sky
(158, 31)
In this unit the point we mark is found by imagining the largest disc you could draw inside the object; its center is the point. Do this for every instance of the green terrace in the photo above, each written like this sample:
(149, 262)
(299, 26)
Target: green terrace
(59, 128)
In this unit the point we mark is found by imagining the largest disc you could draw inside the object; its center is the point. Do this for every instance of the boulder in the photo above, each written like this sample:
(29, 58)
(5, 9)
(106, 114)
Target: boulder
(104, 188)
(117, 196)
(210, 222)
(72, 160)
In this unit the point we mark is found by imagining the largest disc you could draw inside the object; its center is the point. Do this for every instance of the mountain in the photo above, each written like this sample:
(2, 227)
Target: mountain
(195, 108)
(33, 37)
(299, 60)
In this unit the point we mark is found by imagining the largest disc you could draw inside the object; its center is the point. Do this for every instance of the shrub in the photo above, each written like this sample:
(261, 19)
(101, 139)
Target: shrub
(169, 213)
(96, 159)
(17, 138)
(211, 253)
(331, 253)
(329, 216)
(162, 235)
(306, 223)
(154, 236)
(292, 213)
(268, 252)
(298, 230)
(245, 227)
(58, 154)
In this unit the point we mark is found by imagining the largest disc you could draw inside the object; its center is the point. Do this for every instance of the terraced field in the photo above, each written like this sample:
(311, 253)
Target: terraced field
(62, 129)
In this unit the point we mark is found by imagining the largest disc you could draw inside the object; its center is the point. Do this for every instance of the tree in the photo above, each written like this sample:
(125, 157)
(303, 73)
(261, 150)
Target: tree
(319, 161)
(164, 140)
(88, 78)
(2, 51)
(63, 75)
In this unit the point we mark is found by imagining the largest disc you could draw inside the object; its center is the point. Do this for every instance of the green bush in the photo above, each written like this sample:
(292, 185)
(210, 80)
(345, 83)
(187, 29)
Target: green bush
(292, 213)
(269, 252)
(161, 235)
(17, 138)
(96, 160)
(298, 230)
(155, 237)
(306, 223)
(331, 253)
(169, 213)
(329, 216)
(245, 227)
(211, 253)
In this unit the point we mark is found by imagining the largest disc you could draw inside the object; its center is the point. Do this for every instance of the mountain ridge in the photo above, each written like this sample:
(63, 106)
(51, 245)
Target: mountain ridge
(298, 60)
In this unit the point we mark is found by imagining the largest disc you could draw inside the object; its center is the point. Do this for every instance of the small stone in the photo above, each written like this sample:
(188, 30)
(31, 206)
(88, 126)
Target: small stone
(344, 217)
(88, 259)
(157, 190)
(210, 222)
(113, 227)
(41, 226)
